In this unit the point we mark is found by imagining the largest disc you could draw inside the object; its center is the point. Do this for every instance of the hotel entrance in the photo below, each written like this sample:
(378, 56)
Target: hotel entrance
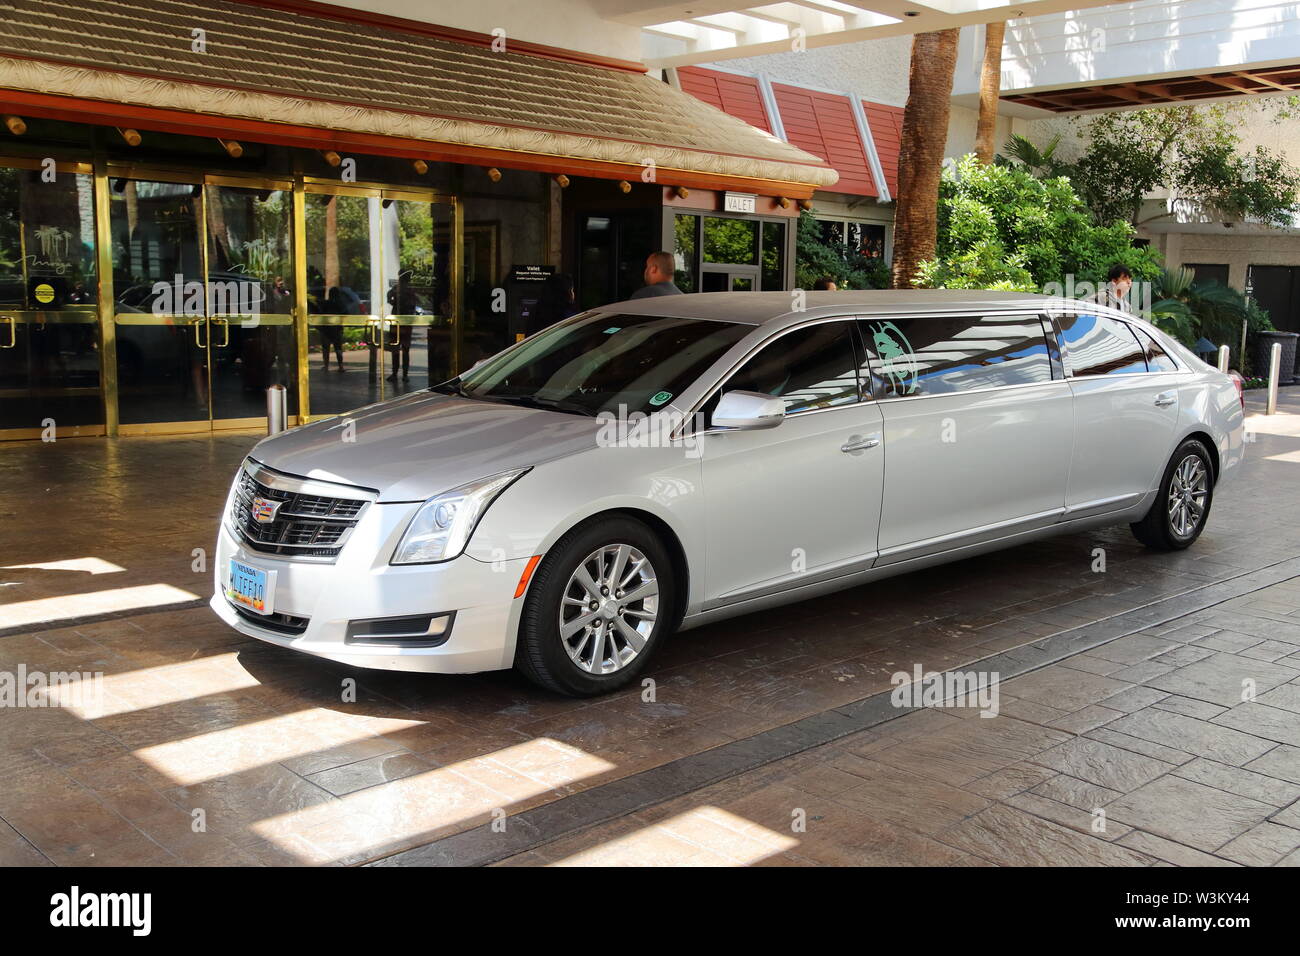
(215, 288)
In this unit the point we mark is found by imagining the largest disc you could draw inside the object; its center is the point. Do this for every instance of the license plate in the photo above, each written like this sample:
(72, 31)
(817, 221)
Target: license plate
(250, 587)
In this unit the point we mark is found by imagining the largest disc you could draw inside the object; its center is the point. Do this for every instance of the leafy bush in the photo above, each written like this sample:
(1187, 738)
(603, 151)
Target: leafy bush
(1002, 228)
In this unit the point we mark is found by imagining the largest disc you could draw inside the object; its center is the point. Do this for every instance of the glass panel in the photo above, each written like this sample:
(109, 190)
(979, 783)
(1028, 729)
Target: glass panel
(773, 255)
(715, 282)
(730, 240)
(597, 256)
(417, 300)
(49, 358)
(1099, 345)
(867, 239)
(684, 252)
(832, 232)
(604, 363)
(344, 293)
(944, 355)
(162, 368)
(250, 299)
(742, 284)
(1157, 359)
(810, 368)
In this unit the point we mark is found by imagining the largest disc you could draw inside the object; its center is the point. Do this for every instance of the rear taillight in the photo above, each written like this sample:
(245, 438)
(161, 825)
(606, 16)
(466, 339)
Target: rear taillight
(1240, 386)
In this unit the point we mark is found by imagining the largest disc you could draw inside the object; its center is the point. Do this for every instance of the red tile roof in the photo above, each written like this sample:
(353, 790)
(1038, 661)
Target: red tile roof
(737, 95)
(886, 123)
(818, 122)
(822, 124)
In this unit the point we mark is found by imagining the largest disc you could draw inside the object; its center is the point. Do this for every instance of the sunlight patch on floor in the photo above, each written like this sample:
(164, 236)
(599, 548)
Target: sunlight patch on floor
(704, 836)
(86, 565)
(68, 606)
(399, 813)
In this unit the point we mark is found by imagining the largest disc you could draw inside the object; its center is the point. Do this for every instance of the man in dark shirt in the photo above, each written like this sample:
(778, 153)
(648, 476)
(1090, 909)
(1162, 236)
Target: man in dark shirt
(658, 277)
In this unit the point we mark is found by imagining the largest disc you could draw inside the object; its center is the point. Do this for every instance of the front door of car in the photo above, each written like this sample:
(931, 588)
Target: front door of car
(798, 503)
(1124, 415)
(978, 427)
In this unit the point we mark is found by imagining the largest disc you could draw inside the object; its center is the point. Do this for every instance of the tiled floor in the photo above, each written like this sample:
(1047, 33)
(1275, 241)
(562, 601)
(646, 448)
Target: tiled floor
(1140, 752)
(212, 748)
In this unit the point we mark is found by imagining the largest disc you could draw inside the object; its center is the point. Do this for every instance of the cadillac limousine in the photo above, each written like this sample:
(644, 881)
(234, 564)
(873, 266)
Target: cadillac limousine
(656, 465)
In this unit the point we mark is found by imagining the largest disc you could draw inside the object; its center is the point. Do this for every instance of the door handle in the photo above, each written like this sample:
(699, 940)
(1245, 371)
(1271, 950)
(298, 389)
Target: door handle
(1166, 398)
(201, 323)
(858, 443)
(225, 325)
(13, 331)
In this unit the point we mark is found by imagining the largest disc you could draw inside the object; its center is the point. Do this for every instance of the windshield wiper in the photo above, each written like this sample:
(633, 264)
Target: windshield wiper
(453, 387)
(546, 404)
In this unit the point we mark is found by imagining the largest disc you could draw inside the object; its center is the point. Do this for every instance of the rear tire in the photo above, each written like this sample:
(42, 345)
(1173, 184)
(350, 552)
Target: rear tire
(1182, 506)
(609, 587)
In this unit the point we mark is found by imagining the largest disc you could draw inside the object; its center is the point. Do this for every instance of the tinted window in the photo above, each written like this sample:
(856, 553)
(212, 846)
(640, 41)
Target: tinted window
(942, 355)
(600, 361)
(1157, 359)
(812, 367)
(1099, 345)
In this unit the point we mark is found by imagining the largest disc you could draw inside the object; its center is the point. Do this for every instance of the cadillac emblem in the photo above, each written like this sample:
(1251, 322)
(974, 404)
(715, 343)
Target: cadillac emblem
(263, 509)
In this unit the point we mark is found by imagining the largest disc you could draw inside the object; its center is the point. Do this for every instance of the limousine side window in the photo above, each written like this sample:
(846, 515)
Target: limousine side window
(936, 356)
(809, 368)
(1158, 359)
(1100, 345)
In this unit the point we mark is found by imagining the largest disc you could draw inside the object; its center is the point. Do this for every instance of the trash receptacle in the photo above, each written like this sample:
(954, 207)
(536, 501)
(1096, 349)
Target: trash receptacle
(1263, 345)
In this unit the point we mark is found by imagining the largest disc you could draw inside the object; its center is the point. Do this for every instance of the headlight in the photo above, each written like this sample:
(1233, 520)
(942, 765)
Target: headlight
(443, 525)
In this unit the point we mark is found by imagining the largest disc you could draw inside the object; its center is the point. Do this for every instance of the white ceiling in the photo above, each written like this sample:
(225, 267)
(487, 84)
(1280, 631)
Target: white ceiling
(702, 31)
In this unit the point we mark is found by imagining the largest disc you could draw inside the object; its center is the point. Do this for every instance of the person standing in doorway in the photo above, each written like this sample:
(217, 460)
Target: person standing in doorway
(1115, 292)
(658, 277)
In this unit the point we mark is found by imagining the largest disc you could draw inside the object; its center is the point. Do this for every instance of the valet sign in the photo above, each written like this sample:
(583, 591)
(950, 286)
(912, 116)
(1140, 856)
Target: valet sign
(739, 202)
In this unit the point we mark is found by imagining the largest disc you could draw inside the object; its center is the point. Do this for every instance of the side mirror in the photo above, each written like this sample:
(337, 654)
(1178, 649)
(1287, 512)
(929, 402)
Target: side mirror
(748, 411)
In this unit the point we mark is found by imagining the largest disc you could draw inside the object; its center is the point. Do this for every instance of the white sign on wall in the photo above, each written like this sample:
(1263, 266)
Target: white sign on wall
(739, 202)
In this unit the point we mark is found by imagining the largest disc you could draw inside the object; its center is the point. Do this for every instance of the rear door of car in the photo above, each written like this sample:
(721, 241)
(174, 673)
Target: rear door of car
(978, 427)
(1125, 413)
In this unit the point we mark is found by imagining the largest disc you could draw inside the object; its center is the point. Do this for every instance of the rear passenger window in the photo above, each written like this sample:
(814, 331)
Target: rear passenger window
(812, 367)
(1100, 345)
(1158, 359)
(935, 356)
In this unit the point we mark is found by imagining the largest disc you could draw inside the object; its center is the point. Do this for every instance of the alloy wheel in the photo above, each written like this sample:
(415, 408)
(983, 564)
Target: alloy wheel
(1188, 492)
(609, 609)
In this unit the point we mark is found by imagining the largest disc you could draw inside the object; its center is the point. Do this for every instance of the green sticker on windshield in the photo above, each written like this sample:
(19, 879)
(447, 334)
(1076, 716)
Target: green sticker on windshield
(660, 397)
(612, 329)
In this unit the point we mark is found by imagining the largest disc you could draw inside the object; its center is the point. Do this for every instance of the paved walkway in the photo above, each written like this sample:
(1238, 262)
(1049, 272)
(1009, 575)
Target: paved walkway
(200, 725)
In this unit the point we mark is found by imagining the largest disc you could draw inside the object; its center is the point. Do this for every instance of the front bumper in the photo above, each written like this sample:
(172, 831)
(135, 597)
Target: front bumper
(361, 585)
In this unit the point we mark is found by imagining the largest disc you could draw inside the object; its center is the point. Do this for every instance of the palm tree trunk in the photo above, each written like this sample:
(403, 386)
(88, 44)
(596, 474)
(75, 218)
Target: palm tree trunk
(990, 87)
(920, 161)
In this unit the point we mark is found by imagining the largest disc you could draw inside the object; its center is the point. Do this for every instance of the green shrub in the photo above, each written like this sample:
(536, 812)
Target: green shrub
(1000, 227)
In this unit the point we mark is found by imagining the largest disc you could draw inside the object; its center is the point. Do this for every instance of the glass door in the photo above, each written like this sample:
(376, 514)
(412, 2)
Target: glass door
(204, 307)
(160, 312)
(379, 294)
(251, 341)
(49, 338)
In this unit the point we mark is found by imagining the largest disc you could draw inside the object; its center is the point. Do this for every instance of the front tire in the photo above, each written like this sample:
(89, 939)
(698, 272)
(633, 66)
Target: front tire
(1177, 516)
(596, 609)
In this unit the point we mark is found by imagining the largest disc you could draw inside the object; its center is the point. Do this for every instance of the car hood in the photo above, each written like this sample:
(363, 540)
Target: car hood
(424, 444)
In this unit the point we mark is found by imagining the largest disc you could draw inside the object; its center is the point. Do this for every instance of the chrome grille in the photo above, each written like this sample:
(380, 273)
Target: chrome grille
(304, 525)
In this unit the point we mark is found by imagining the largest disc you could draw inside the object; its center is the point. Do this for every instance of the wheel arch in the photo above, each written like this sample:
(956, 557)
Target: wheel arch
(666, 534)
(1206, 439)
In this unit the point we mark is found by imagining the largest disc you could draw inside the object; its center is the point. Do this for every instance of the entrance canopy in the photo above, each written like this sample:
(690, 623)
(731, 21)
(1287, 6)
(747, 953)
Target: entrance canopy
(324, 80)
